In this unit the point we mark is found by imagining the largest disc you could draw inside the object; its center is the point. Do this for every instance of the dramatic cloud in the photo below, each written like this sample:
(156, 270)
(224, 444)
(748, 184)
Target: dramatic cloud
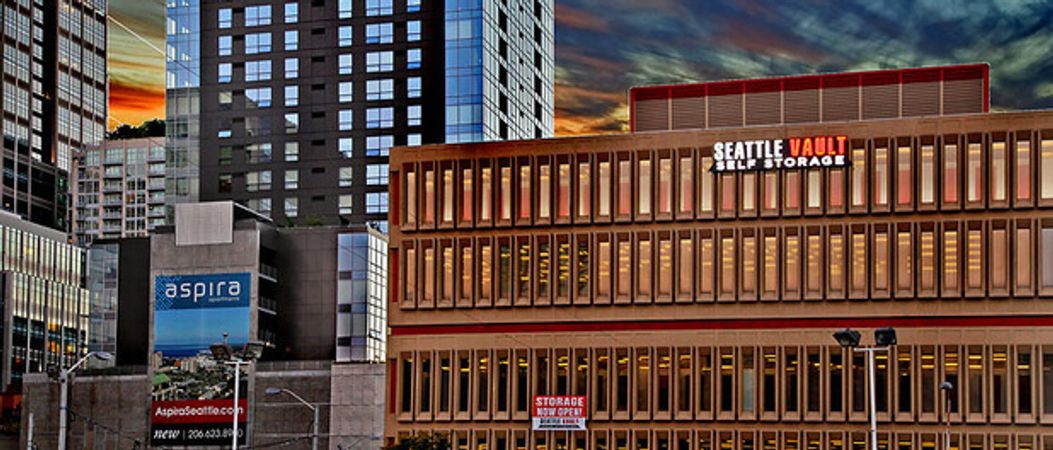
(137, 71)
(604, 47)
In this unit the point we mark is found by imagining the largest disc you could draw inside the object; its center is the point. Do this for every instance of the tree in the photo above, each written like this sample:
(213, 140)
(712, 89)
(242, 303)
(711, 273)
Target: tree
(430, 441)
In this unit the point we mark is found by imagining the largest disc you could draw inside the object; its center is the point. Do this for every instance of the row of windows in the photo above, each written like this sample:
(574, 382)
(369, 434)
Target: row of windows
(261, 97)
(261, 70)
(375, 203)
(898, 174)
(769, 438)
(950, 260)
(260, 15)
(289, 124)
(256, 43)
(992, 383)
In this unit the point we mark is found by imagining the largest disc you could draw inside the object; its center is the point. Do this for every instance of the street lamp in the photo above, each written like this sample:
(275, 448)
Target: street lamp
(947, 388)
(63, 376)
(272, 391)
(224, 354)
(884, 338)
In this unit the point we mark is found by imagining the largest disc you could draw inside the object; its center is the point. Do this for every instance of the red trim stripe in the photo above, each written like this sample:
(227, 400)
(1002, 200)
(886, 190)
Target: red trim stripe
(832, 323)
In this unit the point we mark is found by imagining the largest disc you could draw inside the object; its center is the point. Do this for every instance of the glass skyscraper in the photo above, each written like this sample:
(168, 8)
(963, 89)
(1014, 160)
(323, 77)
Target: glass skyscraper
(291, 107)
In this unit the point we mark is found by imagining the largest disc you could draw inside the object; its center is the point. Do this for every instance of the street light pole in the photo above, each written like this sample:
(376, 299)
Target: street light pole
(237, 387)
(64, 393)
(872, 388)
(223, 354)
(946, 387)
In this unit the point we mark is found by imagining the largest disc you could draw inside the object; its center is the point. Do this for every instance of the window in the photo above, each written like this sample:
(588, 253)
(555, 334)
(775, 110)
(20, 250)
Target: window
(292, 206)
(292, 12)
(346, 176)
(258, 97)
(974, 173)
(347, 92)
(380, 61)
(345, 119)
(413, 139)
(257, 15)
(999, 169)
(1047, 258)
(292, 151)
(257, 181)
(258, 153)
(950, 261)
(224, 72)
(226, 45)
(379, 145)
(380, 89)
(950, 173)
(345, 36)
(881, 176)
(644, 187)
(413, 87)
(346, 204)
(226, 17)
(413, 115)
(1022, 266)
(1023, 169)
(380, 33)
(257, 43)
(928, 175)
(413, 30)
(413, 5)
(904, 175)
(292, 40)
(292, 95)
(705, 194)
(1046, 180)
(377, 203)
(344, 9)
(379, 7)
(292, 68)
(257, 70)
(859, 177)
(379, 117)
(292, 123)
(413, 58)
(345, 64)
(376, 174)
(292, 180)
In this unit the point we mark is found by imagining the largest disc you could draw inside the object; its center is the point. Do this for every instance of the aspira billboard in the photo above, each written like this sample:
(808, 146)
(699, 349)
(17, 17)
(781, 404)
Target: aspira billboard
(192, 394)
(814, 152)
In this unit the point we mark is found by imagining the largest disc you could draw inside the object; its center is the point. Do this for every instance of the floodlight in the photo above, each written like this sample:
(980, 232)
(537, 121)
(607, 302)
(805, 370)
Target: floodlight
(847, 337)
(885, 337)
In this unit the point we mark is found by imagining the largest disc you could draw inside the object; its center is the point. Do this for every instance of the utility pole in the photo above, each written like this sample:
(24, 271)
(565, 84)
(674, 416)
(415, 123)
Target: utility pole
(29, 432)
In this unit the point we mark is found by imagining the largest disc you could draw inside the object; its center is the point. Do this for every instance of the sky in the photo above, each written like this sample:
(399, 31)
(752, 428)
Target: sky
(604, 47)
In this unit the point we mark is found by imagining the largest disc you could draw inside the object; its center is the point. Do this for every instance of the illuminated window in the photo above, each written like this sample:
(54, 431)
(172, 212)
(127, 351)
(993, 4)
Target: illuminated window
(707, 273)
(859, 177)
(749, 265)
(974, 173)
(604, 189)
(999, 249)
(686, 268)
(544, 267)
(904, 261)
(928, 174)
(665, 186)
(749, 196)
(429, 275)
(467, 268)
(624, 188)
(771, 265)
(950, 173)
(429, 197)
(950, 260)
(836, 189)
(1000, 380)
(815, 269)
(880, 176)
(524, 192)
(927, 261)
(467, 195)
(705, 191)
(563, 191)
(815, 194)
(624, 267)
(486, 188)
(665, 267)
(1022, 266)
(904, 175)
(1023, 169)
(727, 193)
(836, 264)
(859, 262)
(974, 259)
(583, 267)
(486, 259)
(504, 270)
(999, 171)
(411, 274)
(563, 268)
(727, 265)
(771, 191)
(881, 261)
(687, 185)
(411, 197)
(544, 188)
(523, 269)
(791, 376)
(504, 197)
(584, 191)
(447, 274)
(447, 195)
(643, 380)
(644, 188)
(1047, 169)
(792, 265)
(603, 269)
